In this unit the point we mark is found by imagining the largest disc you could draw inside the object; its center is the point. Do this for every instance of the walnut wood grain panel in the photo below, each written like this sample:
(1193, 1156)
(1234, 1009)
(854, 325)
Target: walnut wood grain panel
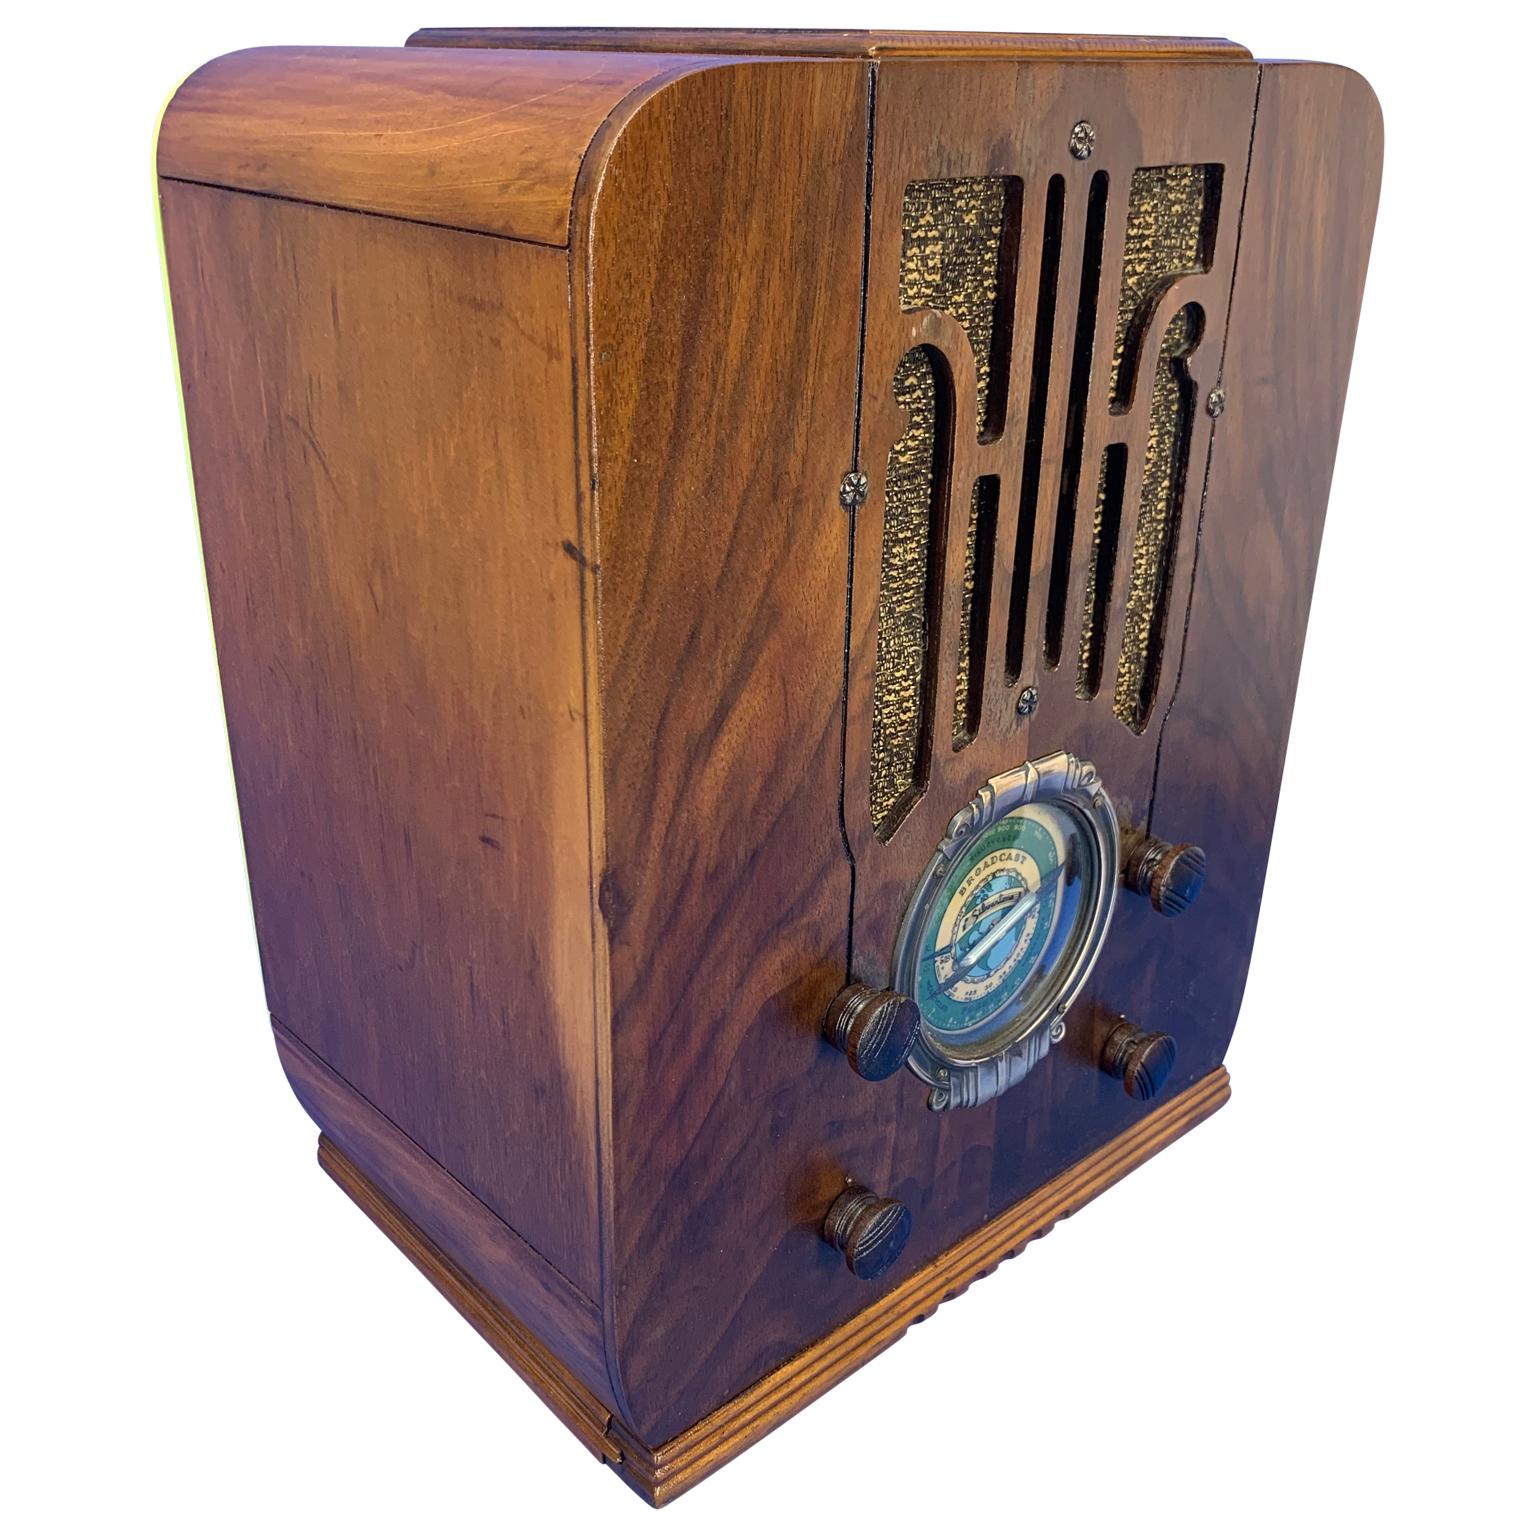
(828, 43)
(470, 1237)
(664, 1473)
(490, 141)
(380, 422)
(724, 268)
(583, 1414)
(1311, 205)
(953, 1170)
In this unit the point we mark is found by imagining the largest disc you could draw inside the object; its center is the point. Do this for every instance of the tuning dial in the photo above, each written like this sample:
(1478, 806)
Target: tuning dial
(869, 1232)
(1169, 875)
(875, 1030)
(1141, 1061)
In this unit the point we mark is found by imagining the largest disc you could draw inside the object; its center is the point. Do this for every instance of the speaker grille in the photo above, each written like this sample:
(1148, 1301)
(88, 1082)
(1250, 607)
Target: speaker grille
(959, 257)
(911, 567)
(1170, 230)
(957, 244)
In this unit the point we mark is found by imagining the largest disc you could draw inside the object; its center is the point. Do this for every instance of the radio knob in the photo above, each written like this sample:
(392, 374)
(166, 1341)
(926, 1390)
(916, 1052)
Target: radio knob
(1142, 1061)
(869, 1232)
(1169, 875)
(874, 1030)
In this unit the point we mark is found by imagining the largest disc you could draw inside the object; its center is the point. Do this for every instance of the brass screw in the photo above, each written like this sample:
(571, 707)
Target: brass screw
(1080, 140)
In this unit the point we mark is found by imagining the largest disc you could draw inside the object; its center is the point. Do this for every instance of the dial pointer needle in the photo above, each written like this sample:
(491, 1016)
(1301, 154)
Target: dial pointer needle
(1020, 910)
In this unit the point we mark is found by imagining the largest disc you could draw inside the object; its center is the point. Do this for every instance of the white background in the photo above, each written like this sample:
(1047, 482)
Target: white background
(1313, 1313)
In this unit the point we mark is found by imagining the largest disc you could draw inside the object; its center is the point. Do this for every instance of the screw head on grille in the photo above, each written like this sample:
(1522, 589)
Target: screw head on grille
(1216, 402)
(1080, 140)
(1029, 701)
(854, 489)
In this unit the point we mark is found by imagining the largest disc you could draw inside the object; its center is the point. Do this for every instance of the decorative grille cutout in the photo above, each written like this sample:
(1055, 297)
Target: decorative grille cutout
(1157, 520)
(1077, 410)
(1170, 231)
(959, 255)
(975, 610)
(1101, 570)
(1034, 438)
(911, 578)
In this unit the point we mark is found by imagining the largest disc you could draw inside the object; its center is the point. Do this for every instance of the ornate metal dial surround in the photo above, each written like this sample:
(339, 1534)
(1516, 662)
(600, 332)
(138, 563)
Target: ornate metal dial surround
(962, 1070)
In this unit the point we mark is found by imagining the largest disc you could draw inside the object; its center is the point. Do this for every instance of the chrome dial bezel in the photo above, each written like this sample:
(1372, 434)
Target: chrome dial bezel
(959, 1079)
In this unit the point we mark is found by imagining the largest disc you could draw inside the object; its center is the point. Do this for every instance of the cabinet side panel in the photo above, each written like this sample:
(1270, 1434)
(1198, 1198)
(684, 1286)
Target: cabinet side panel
(380, 422)
(1311, 208)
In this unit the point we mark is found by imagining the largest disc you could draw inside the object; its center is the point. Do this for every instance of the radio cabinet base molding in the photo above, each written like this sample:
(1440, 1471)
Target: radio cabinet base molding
(759, 582)
(660, 1473)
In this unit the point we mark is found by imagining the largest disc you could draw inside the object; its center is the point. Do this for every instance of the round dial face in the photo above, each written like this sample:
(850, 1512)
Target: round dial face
(1003, 930)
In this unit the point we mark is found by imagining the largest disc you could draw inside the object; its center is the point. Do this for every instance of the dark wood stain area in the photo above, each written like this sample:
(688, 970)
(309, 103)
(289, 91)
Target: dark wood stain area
(1307, 235)
(381, 445)
(955, 1170)
(725, 272)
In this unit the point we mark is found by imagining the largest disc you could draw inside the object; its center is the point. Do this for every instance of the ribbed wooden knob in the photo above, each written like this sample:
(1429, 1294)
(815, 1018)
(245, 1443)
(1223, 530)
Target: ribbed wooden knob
(875, 1030)
(1169, 875)
(1142, 1061)
(869, 1232)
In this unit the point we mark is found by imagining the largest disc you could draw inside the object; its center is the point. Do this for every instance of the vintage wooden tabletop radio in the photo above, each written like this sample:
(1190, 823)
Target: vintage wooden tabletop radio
(757, 578)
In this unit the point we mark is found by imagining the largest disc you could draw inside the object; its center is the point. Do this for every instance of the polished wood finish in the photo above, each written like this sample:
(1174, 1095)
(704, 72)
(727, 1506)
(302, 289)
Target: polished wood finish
(1312, 192)
(384, 485)
(489, 141)
(671, 1469)
(581, 1412)
(1017, 119)
(724, 275)
(830, 43)
(464, 1228)
(661, 1473)
(547, 641)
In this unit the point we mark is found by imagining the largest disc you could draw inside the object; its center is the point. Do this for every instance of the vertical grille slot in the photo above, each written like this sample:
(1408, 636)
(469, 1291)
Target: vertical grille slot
(1101, 569)
(1077, 406)
(975, 608)
(959, 255)
(911, 578)
(1034, 439)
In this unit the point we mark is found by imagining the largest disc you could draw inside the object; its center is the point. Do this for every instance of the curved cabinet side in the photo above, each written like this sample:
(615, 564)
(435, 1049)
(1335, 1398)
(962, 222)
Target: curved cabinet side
(484, 141)
(1311, 209)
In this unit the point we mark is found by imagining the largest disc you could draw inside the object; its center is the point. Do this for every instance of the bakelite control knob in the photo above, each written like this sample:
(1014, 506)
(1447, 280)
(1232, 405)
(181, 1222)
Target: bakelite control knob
(869, 1232)
(1169, 875)
(1141, 1061)
(875, 1030)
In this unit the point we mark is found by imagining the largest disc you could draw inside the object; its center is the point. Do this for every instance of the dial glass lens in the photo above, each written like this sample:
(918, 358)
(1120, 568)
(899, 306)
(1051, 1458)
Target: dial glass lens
(1004, 927)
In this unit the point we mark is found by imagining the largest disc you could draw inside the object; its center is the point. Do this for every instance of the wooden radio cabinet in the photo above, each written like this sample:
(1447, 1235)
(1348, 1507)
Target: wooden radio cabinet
(756, 576)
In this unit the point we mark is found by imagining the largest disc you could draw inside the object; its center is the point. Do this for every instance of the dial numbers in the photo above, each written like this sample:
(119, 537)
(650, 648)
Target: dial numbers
(992, 928)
